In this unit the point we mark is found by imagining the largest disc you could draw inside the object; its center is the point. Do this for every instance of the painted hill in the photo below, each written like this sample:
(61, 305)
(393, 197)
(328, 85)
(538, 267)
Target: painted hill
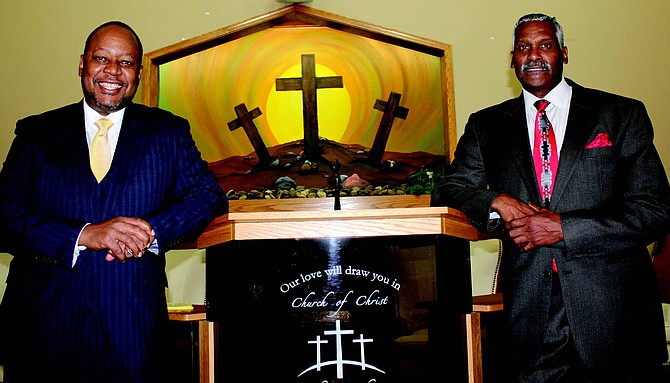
(245, 173)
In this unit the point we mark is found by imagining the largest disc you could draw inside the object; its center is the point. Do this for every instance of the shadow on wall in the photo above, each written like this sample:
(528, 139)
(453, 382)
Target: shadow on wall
(4, 269)
(186, 276)
(484, 266)
(185, 270)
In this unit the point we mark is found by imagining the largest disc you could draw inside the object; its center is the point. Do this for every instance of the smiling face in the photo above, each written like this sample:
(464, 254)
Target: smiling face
(537, 57)
(110, 69)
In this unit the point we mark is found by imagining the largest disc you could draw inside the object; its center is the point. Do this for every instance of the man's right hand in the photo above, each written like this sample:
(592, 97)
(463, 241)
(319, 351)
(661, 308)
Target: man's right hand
(123, 237)
(510, 208)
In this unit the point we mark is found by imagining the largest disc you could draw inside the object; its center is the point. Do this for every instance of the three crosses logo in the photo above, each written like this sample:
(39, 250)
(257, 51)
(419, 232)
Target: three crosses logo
(339, 360)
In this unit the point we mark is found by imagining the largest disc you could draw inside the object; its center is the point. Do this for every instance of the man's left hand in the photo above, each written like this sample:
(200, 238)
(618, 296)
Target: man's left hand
(540, 229)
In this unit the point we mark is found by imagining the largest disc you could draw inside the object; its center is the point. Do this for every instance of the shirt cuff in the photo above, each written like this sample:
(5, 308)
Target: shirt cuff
(78, 247)
(495, 223)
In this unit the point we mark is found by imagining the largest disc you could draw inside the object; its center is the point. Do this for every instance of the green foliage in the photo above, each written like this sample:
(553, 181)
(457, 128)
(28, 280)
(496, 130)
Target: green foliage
(423, 181)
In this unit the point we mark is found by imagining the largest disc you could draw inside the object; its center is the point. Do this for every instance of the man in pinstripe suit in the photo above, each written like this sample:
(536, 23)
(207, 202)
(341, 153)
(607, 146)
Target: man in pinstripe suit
(85, 297)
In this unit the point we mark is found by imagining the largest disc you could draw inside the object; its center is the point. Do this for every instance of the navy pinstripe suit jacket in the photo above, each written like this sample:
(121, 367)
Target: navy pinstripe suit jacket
(98, 314)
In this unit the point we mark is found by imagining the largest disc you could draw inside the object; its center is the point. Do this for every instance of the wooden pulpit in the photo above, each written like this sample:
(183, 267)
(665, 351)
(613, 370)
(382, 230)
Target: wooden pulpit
(374, 292)
(304, 290)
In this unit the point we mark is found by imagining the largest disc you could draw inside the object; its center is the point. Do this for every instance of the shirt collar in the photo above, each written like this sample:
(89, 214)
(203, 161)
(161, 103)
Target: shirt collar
(559, 96)
(91, 116)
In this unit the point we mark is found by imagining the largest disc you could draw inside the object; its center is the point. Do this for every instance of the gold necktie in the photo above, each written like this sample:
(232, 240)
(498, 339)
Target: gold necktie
(100, 152)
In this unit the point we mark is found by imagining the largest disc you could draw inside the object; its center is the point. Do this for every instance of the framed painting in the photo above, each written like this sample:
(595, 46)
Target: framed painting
(302, 104)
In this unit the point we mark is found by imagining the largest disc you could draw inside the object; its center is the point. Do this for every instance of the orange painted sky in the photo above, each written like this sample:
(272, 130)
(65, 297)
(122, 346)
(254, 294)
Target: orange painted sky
(205, 88)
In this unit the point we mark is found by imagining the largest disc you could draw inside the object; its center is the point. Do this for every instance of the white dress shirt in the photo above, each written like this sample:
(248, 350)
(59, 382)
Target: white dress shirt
(557, 112)
(91, 116)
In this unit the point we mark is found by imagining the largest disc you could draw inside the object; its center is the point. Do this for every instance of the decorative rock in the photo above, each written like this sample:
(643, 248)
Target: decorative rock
(285, 183)
(354, 181)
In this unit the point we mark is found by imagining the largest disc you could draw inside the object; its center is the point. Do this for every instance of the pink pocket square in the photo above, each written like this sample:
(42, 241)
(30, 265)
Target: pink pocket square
(602, 140)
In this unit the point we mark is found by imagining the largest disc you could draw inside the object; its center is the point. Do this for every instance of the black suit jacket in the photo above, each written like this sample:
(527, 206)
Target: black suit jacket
(613, 201)
(98, 315)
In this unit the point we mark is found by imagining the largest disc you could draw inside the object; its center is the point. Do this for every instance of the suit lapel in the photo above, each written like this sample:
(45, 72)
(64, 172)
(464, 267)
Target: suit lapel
(129, 147)
(515, 139)
(71, 171)
(126, 162)
(581, 123)
(70, 147)
(75, 148)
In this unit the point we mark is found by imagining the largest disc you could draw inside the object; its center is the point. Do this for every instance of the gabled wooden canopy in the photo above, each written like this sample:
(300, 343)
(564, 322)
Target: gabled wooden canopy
(296, 14)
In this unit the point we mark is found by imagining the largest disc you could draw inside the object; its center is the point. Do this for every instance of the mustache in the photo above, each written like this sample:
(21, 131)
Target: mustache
(536, 64)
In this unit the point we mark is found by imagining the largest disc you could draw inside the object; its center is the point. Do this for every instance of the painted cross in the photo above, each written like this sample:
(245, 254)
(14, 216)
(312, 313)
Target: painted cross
(308, 84)
(391, 109)
(245, 120)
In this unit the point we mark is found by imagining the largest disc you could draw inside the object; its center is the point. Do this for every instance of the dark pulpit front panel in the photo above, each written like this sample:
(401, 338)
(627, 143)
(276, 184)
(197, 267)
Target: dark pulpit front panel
(380, 309)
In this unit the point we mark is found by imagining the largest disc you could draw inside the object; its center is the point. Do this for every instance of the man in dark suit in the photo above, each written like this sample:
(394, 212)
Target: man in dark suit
(85, 298)
(580, 296)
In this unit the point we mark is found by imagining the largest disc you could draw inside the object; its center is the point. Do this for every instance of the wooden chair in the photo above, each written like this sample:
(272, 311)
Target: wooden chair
(480, 304)
(206, 339)
(660, 256)
(486, 303)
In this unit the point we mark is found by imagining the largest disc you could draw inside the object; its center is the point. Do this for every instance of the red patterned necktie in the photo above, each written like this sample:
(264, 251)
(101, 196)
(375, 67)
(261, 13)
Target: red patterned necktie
(545, 157)
(545, 153)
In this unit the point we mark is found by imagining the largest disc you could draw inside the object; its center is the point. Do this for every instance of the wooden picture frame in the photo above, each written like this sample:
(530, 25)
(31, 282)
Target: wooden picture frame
(430, 105)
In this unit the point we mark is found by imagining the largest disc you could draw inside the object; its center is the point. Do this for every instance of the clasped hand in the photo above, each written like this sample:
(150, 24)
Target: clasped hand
(528, 225)
(123, 237)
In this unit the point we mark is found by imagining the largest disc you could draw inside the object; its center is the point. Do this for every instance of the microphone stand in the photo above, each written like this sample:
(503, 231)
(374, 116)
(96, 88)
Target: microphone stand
(335, 167)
